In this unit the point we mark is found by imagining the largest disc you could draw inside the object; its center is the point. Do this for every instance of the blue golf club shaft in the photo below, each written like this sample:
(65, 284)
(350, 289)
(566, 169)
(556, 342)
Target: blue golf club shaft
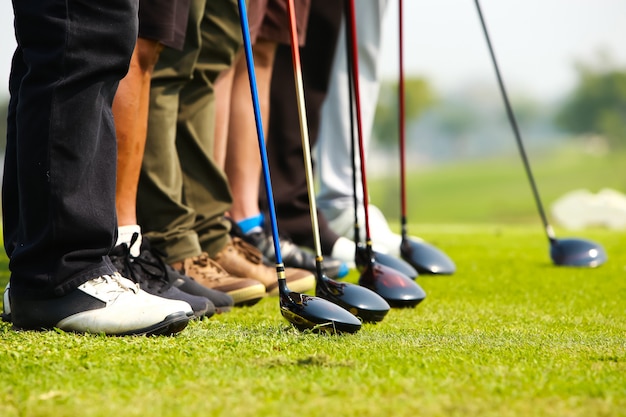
(247, 47)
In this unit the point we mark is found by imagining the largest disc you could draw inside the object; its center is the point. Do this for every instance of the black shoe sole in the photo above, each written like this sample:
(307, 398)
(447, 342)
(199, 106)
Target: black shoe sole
(249, 303)
(172, 324)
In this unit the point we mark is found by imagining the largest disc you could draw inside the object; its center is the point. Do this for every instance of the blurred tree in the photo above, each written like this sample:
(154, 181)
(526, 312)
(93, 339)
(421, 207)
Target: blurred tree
(457, 122)
(597, 105)
(418, 97)
(458, 119)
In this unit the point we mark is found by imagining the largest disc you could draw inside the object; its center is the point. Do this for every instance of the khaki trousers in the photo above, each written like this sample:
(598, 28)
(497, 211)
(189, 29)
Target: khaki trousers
(183, 195)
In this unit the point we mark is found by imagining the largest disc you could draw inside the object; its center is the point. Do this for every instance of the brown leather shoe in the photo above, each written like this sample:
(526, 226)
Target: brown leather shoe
(244, 291)
(241, 259)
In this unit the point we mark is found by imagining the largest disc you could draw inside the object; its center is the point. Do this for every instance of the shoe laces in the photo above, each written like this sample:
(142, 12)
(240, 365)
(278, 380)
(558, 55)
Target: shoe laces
(256, 245)
(248, 251)
(289, 250)
(205, 266)
(147, 268)
(121, 259)
(263, 241)
(113, 285)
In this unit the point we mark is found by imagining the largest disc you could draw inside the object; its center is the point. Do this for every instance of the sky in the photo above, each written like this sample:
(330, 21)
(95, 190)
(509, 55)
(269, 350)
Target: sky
(536, 41)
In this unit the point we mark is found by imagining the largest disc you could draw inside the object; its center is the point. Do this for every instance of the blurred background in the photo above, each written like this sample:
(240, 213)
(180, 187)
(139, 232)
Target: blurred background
(564, 67)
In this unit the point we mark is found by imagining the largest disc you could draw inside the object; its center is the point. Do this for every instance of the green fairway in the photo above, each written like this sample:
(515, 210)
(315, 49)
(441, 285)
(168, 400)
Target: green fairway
(508, 335)
(496, 191)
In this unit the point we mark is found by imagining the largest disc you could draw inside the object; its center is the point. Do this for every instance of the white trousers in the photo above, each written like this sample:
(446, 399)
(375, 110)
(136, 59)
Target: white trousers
(334, 160)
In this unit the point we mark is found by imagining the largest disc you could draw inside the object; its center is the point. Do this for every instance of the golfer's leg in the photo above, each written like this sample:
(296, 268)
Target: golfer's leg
(334, 158)
(64, 141)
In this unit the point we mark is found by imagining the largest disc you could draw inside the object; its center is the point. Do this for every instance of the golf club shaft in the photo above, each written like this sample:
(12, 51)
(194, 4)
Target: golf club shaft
(247, 43)
(354, 57)
(401, 120)
(304, 127)
(513, 122)
(355, 200)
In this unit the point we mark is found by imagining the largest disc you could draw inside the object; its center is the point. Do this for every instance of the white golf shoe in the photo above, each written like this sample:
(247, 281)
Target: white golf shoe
(108, 304)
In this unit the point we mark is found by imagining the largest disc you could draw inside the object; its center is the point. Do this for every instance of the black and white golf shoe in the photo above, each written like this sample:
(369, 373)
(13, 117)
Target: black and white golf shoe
(109, 304)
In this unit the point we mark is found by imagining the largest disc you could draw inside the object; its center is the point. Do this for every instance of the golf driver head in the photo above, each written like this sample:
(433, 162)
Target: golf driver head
(305, 312)
(396, 288)
(360, 301)
(577, 252)
(426, 258)
(363, 260)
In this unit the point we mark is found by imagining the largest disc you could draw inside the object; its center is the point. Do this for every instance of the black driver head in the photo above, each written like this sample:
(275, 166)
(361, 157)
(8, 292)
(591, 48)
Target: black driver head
(360, 301)
(305, 312)
(577, 252)
(426, 258)
(396, 288)
(363, 258)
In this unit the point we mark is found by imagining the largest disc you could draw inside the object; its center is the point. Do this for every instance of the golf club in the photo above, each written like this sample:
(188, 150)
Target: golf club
(362, 256)
(360, 301)
(423, 256)
(568, 252)
(396, 288)
(304, 312)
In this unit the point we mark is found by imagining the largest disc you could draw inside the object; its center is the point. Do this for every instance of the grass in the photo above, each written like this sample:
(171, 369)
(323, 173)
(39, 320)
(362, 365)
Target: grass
(508, 335)
(497, 191)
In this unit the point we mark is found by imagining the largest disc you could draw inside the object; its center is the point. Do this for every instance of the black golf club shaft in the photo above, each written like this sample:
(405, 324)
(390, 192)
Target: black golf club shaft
(518, 138)
(352, 133)
(401, 121)
(351, 33)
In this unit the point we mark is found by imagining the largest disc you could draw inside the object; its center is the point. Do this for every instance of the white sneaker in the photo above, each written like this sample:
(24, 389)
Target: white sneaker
(109, 304)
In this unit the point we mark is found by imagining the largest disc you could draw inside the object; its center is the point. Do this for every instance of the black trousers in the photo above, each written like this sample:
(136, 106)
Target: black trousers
(58, 193)
(284, 142)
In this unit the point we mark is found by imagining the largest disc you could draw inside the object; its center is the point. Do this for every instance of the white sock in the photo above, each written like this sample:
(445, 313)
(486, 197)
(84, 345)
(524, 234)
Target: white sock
(125, 235)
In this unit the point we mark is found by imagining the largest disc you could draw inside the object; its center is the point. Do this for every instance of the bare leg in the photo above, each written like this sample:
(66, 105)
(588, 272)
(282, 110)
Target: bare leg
(243, 165)
(130, 110)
